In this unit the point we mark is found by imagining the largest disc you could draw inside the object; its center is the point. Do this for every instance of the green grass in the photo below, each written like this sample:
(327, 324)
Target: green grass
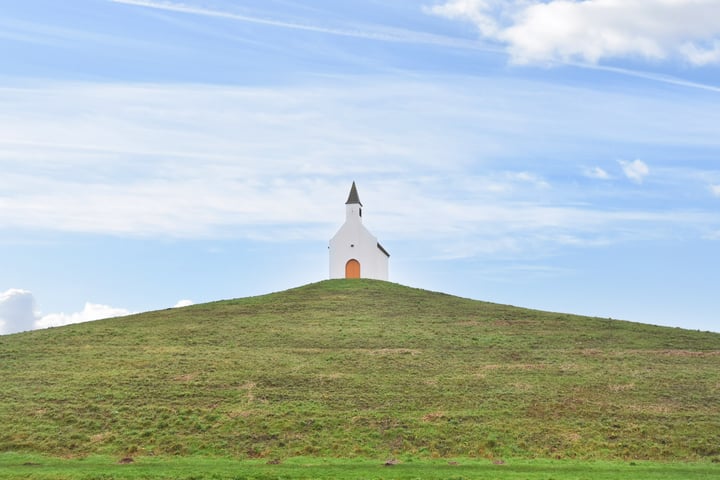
(195, 468)
(362, 370)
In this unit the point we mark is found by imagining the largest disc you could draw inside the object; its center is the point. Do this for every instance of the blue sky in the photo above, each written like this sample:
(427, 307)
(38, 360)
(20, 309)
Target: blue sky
(559, 155)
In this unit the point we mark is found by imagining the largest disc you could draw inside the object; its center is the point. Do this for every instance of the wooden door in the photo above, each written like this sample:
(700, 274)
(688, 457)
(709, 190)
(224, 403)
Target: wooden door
(352, 269)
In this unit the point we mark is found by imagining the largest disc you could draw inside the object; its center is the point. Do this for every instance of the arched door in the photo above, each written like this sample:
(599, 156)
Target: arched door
(352, 269)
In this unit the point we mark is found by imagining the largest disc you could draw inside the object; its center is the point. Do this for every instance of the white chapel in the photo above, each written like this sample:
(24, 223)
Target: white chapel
(354, 251)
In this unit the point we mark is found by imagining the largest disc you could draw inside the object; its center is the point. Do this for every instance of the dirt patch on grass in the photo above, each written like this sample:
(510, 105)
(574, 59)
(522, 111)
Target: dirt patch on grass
(509, 323)
(431, 417)
(100, 437)
(652, 409)
(516, 366)
(249, 387)
(592, 352)
(671, 353)
(160, 350)
(527, 366)
(522, 387)
(240, 414)
(394, 351)
(469, 323)
(688, 353)
(572, 437)
(187, 377)
(622, 387)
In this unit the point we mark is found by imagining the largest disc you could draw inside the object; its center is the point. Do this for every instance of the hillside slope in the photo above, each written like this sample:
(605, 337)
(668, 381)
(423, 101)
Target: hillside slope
(362, 368)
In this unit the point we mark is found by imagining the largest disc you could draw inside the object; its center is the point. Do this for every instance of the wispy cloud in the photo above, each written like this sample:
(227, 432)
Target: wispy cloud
(367, 32)
(183, 161)
(715, 190)
(597, 172)
(636, 170)
(714, 235)
(47, 34)
(528, 178)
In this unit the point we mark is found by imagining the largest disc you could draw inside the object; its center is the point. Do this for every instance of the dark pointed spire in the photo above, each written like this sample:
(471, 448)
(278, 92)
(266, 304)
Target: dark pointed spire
(353, 197)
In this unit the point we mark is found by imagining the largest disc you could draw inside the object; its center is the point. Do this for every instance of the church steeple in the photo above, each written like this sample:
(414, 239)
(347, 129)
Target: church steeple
(353, 207)
(353, 197)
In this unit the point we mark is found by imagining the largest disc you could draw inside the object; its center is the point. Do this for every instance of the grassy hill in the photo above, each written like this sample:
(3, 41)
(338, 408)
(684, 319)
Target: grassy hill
(362, 369)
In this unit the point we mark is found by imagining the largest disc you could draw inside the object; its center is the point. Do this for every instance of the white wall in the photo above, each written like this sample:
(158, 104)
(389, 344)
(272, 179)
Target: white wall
(353, 240)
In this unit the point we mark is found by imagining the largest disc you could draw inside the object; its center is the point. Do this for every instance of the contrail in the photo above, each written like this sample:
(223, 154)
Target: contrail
(388, 35)
(656, 77)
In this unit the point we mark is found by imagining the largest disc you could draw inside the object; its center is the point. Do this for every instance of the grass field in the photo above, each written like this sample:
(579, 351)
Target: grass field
(362, 371)
(196, 468)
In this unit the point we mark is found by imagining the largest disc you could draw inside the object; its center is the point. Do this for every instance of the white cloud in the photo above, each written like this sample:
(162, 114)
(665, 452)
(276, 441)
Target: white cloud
(483, 13)
(592, 30)
(183, 303)
(598, 173)
(715, 235)
(528, 177)
(715, 190)
(92, 311)
(702, 55)
(636, 170)
(18, 313)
